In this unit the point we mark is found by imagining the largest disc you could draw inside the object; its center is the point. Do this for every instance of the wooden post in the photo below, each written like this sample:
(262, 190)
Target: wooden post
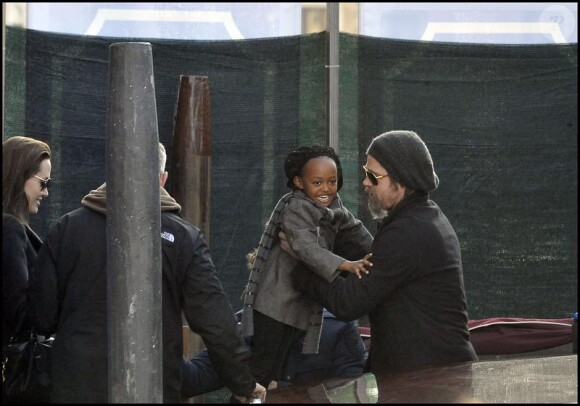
(190, 174)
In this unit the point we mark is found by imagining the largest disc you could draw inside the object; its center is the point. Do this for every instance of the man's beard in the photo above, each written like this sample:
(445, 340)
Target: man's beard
(376, 209)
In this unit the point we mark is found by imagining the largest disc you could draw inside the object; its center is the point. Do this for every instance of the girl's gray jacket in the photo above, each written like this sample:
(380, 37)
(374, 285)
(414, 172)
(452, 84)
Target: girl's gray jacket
(311, 230)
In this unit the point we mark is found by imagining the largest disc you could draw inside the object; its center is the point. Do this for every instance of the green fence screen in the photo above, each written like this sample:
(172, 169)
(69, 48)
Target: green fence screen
(500, 121)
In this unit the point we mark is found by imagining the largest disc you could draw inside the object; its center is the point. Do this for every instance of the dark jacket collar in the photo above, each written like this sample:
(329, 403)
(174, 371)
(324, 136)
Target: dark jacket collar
(404, 205)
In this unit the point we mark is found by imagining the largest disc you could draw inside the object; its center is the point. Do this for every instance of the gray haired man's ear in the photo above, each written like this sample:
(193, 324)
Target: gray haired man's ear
(163, 178)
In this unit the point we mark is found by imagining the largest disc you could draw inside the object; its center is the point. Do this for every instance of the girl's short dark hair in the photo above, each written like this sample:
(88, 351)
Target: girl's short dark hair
(296, 160)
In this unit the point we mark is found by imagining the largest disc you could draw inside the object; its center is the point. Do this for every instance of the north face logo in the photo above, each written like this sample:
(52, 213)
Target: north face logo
(167, 236)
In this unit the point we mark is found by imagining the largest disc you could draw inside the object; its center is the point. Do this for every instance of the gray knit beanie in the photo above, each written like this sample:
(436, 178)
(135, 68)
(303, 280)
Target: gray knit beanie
(406, 158)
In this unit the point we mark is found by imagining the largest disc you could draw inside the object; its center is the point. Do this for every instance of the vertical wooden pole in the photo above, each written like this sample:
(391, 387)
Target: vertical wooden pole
(191, 154)
(190, 174)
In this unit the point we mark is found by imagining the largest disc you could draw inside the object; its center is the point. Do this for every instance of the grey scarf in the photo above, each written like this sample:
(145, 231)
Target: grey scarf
(266, 243)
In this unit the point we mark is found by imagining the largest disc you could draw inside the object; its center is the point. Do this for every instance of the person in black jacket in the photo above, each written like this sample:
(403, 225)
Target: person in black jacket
(415, 296)
(26, 171)
(69, 298)
(341, 354)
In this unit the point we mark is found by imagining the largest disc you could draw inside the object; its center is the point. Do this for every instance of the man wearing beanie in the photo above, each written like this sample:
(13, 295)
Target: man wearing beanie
(414, 294)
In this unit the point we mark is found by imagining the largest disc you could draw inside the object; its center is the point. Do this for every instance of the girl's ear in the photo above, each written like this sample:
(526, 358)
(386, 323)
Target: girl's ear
(298, 182)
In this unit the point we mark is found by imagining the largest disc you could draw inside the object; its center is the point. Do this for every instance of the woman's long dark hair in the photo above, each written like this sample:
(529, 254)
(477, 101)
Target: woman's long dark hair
(21, 159)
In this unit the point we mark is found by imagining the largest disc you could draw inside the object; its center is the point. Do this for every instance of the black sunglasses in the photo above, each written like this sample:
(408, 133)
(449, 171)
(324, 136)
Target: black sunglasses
(373, 177)
(43, 182)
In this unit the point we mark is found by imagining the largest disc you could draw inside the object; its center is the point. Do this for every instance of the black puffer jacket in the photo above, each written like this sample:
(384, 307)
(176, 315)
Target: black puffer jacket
(70, 298)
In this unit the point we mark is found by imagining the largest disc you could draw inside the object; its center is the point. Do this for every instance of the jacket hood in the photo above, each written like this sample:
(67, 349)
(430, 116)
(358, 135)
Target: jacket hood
(97, 200)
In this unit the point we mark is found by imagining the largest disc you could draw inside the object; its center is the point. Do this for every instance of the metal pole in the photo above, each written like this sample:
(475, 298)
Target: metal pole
(3, 61)
(133, 228)
(332, 66)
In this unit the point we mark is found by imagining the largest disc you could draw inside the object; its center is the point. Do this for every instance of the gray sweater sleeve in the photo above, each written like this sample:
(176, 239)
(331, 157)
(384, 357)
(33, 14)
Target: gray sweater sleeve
(301, 223)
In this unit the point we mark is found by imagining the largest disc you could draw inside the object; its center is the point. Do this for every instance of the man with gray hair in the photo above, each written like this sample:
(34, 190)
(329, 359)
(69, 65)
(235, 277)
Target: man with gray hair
(69, 298)
(414, 296)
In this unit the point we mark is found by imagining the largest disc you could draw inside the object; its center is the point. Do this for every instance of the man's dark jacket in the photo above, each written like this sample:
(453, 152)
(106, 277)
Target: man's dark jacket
(69, 298)
(414, 294)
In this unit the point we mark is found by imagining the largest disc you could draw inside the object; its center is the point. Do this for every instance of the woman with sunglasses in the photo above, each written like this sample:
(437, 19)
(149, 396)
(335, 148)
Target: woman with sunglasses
(25, 176)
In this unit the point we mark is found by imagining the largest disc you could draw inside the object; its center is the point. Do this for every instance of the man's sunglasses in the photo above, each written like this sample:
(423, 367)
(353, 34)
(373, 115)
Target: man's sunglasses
(43, 182)
(373, 177)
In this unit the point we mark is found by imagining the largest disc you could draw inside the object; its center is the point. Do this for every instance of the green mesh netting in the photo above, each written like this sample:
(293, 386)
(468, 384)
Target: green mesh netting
(500, 121)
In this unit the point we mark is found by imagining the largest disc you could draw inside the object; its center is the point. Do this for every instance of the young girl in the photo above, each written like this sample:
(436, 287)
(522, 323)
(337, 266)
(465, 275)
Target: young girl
(310, 216)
